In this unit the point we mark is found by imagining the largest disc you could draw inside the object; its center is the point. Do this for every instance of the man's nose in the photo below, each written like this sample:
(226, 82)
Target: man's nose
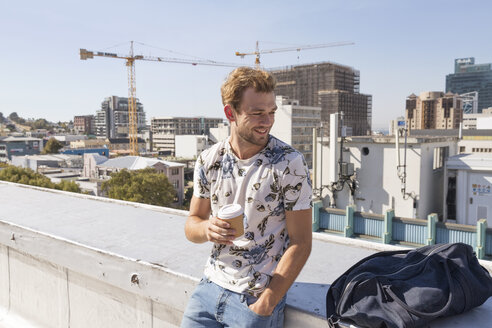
(267, 119)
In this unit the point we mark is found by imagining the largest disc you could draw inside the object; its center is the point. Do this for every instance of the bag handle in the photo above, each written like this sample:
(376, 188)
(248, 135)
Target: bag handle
(431, 315)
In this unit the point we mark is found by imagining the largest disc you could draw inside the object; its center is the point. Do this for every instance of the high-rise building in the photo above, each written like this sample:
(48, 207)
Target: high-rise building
(333, 87)
(294, 125)
(84, 124)
(471, 77)
(433, 110)
(112, 120)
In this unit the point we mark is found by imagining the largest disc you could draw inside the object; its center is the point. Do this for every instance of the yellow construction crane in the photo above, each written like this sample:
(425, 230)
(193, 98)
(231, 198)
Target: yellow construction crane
(130, 64)
(257, 52)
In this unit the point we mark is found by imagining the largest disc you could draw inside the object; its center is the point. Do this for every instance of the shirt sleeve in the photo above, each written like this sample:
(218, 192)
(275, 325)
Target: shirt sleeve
(201, 183)
(296, 185)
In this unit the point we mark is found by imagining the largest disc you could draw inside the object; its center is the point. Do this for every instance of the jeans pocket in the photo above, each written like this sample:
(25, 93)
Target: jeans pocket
(251, 300)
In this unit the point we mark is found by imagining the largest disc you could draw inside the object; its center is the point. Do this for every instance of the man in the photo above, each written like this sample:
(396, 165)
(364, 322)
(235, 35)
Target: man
(246, 279)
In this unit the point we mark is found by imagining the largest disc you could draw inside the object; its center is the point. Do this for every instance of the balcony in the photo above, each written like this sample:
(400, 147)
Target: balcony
(72, 260)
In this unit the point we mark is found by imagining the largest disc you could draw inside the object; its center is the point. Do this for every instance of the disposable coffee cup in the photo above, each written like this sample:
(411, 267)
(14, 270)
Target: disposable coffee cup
(233, 214)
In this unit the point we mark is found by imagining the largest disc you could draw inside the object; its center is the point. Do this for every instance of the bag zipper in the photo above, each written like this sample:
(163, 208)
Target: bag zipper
(390, 274)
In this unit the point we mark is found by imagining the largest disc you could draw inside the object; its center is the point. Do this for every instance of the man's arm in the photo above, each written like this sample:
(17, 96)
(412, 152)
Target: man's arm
(200, 228)
(300, 233)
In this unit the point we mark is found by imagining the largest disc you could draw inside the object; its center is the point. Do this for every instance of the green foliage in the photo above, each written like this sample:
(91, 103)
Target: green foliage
(40, 123)
(14, 117)
(143, 186)
(187, 198)
(68, 186)
(52, 147)
(25, 176)
(29, 177)
(2, 118)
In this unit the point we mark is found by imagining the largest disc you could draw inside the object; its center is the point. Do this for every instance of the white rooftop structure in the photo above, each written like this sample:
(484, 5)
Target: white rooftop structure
(50, 157)
(10, 139)
(482, 161)
(136, 162)
(468, 182)
(72, 260)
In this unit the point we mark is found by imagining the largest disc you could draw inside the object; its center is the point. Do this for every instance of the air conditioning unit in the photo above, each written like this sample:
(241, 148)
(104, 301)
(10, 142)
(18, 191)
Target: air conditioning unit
(347, 169)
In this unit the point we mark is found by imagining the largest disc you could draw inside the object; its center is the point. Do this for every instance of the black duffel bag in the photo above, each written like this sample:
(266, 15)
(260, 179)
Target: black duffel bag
(409, 288)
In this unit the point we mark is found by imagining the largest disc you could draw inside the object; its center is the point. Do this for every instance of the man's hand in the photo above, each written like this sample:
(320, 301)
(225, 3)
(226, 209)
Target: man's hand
(291, 263)
(200, 227)
(219, 232)
(261, 308)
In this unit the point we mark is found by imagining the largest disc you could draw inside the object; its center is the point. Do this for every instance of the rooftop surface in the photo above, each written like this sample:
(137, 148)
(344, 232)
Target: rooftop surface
(156, 235)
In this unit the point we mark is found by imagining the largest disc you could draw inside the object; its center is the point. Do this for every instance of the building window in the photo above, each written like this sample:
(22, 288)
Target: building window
(440, 155)
(176, 184)
(174, 171)
(462, 149)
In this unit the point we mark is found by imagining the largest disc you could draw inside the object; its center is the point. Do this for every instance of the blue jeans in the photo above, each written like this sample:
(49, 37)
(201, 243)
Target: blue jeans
(211, 306)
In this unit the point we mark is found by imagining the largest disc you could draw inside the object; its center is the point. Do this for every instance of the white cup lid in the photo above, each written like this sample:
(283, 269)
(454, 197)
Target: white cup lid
(230, 211)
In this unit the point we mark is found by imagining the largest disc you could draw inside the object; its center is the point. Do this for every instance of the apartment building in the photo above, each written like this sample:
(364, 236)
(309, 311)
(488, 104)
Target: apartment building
(84, 124)
(478, 121)
(433, 110)
(165, 128)
(294, 125)
(112, 120)
(184, 125)
(333, 87)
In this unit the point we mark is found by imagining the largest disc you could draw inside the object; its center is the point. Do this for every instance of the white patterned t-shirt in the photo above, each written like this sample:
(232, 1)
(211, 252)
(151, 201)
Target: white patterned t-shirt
(271, 182)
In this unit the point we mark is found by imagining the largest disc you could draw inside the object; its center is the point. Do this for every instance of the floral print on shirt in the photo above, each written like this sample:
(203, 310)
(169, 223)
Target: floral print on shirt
(273, 181)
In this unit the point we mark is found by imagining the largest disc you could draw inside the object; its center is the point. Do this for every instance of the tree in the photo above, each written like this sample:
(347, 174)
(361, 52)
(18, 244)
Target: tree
(1, 117)
(52, 147)
(27, 176)
(14, 117)
(65, 185)
(143, 186)
(187, 198)
(40, 123)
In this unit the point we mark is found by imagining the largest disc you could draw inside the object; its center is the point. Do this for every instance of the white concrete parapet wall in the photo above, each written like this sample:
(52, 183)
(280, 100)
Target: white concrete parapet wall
(72, 260)
(49, 280)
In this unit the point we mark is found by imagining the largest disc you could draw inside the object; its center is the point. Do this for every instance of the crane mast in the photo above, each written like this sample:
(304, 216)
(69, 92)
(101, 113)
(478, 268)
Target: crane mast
(132, 104)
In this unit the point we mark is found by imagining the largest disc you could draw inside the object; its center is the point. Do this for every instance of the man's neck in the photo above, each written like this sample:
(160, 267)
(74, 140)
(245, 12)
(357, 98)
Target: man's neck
(243, 149)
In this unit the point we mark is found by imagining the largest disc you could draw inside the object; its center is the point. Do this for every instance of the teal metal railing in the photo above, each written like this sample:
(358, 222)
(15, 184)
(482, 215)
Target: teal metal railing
(389, 229)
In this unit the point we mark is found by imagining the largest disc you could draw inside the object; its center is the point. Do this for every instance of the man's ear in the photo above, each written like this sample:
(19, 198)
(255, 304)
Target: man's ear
(229, 113)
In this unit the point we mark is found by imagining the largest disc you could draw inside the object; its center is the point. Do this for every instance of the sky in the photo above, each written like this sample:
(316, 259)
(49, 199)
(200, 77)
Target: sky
(401, 47)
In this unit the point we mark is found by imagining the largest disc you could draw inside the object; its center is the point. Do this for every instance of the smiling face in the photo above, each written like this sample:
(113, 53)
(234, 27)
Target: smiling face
(252, 122)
